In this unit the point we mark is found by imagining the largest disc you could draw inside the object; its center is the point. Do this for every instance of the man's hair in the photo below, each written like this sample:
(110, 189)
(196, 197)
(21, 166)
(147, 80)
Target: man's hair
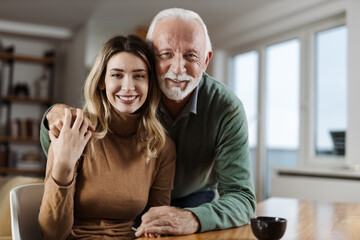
(98, 108)
(180, 14)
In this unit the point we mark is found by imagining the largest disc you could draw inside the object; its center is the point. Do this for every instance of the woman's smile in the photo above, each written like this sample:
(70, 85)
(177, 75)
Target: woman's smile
(127, 99)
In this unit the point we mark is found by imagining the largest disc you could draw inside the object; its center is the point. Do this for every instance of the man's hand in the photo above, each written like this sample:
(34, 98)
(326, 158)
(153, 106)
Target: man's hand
(55, 116)
(167, 220)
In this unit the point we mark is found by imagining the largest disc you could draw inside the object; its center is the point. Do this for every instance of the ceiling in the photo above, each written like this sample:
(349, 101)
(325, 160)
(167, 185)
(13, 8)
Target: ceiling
(71, 14)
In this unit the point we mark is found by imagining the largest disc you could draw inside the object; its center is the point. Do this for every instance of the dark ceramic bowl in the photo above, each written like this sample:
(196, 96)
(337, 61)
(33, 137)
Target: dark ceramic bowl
(268, 228)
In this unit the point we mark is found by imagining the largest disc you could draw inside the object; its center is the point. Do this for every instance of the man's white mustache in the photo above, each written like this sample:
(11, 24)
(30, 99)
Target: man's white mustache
(180, 77)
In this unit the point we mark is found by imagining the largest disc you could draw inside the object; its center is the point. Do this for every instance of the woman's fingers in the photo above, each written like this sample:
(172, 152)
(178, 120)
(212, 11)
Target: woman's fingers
(84, 127)
(79, 127)
(67, 118)
(82, 123)
(79, 119)
(87, 136)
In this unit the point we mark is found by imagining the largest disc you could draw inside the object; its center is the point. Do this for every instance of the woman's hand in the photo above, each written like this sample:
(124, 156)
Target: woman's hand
(69, 146)
(152, 235)
(56, 115)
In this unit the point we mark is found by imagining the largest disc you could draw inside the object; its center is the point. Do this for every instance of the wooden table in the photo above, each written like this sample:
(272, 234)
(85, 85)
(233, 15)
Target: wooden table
(306, 220)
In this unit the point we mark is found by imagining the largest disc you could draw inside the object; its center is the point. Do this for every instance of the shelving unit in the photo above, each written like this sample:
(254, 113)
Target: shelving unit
(8, 99)
(29, 100)
(6, 139)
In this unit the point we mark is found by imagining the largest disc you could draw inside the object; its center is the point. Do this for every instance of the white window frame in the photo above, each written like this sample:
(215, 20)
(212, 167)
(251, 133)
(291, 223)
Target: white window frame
(310, 158)
(306, 152)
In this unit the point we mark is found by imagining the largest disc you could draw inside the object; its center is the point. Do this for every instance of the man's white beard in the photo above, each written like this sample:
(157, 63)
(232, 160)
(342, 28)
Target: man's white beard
(175, 93)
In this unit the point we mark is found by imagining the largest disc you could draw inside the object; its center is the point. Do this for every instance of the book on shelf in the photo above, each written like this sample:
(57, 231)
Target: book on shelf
(30, 160)
(25, 128)
(2, 156)
(29, 164)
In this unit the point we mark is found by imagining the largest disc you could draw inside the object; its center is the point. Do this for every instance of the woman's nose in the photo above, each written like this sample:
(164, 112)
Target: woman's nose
(127, 84)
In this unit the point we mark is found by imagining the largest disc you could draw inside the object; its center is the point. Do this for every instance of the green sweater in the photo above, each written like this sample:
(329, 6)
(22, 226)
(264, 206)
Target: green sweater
(212, 153)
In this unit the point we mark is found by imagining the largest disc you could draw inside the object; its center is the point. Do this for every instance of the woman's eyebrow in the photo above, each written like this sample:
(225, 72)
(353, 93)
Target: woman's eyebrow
(139, 70)
(117, 69)
(122, 70)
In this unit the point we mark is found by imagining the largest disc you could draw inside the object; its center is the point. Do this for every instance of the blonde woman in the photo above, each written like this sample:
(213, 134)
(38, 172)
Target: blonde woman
(97, 182)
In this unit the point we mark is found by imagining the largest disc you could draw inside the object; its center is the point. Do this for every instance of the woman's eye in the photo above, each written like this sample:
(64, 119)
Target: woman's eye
(139, 76)
(116, 75)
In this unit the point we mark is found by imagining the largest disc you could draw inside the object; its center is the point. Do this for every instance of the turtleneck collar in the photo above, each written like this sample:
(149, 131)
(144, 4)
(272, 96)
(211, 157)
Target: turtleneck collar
(124, 124)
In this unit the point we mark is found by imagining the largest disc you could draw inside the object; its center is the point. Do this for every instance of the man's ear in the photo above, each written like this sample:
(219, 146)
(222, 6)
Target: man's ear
(207, 59)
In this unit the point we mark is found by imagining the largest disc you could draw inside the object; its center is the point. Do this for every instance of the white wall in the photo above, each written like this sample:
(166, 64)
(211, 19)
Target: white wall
(97, 32)
(300, 184)
(70, 86)
(353, 133)
(272, 19)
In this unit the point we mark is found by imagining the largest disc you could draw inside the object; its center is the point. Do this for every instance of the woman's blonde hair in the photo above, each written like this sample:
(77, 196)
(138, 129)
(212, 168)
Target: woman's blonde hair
(97, 107)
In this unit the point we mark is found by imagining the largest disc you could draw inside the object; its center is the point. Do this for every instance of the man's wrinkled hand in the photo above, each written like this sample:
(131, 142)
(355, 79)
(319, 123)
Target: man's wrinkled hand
(167, 220)
(55, 119)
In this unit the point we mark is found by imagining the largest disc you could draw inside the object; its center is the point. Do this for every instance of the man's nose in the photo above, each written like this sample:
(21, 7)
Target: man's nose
(127, 84)
(178, 64)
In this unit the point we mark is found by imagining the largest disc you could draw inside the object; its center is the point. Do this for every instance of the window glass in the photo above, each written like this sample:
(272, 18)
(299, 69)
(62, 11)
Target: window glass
(282, 105)
(331, 87)
(245, 86)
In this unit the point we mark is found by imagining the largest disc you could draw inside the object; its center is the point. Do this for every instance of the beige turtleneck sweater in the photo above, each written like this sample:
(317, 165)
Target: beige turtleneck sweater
(109, 190)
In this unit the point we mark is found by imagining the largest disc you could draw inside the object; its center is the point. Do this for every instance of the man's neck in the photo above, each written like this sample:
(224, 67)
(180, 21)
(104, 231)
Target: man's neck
(174, 107)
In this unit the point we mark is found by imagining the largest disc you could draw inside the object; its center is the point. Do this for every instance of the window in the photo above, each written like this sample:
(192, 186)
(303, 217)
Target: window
(245, 86)
(300, 86)
(331, 87)
(282, 105)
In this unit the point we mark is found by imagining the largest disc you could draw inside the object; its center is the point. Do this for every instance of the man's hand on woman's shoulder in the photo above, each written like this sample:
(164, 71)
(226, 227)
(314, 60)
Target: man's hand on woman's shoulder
(56, 115)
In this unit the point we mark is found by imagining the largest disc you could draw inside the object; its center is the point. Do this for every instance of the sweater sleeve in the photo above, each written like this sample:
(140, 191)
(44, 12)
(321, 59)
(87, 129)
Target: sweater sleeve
(233, 170)
(56, 215)
(44, 136)
(160, 190)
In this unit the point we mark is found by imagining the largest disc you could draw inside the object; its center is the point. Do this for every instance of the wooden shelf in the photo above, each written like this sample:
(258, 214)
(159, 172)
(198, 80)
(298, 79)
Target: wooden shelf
(23, 171)
(10, 58)
(27, 58)
(30, 100)
(5, 139)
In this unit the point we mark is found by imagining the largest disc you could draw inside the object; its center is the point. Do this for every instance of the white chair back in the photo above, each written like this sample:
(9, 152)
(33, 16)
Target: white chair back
(25, 204)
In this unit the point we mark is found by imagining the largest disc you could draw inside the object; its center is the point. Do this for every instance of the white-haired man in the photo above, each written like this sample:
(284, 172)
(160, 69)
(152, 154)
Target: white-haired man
(208, 125)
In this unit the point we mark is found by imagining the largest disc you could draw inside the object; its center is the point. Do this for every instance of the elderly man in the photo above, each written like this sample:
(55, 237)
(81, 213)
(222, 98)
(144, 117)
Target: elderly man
(208, 125)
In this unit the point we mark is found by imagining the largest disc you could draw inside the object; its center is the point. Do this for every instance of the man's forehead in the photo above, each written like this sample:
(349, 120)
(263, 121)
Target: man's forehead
(170, 42)
(174, 32)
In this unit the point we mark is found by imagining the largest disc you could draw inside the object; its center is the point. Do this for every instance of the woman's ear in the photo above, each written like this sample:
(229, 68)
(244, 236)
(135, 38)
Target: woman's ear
(101, 85)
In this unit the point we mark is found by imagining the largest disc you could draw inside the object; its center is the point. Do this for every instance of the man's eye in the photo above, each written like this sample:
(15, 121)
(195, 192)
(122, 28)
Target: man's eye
(164, 55)
(190, 55)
